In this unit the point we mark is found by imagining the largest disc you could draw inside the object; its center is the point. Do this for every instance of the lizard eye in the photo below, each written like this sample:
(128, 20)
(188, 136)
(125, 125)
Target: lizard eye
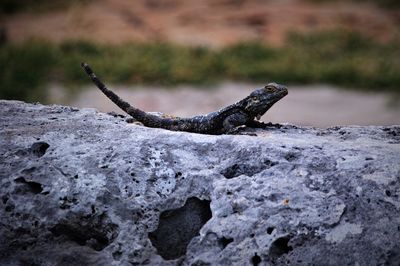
(269, 89)
(254, 98)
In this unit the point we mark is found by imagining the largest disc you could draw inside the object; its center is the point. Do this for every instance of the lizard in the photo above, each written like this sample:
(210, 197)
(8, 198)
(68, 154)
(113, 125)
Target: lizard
(227, 120)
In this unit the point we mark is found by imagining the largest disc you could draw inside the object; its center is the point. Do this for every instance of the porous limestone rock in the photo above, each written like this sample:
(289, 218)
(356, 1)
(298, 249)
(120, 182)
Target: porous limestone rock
(79, 187)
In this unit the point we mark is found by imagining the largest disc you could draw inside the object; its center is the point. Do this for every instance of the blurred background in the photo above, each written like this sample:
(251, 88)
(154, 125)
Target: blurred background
(340, 59)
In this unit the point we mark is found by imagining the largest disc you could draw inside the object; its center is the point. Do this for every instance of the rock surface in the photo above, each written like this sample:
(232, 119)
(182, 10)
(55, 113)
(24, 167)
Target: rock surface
(80, 187)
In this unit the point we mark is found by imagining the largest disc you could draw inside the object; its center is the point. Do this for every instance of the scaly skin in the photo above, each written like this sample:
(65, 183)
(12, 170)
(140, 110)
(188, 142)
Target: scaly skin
(223, 121)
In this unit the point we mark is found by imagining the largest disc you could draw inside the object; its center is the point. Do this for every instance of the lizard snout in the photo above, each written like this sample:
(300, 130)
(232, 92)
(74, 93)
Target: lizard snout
(283, 89)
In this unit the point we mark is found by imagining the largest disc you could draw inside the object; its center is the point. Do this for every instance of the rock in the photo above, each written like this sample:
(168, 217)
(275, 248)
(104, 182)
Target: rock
(86, 188)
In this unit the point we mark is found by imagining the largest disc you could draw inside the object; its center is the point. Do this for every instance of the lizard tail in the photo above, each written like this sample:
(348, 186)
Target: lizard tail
(126, 107)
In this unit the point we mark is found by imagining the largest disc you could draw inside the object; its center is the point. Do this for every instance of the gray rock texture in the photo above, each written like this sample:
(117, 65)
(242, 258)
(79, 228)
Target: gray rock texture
(79, 187)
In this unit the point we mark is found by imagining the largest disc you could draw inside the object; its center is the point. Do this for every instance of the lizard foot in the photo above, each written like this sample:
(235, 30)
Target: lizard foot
(114, 114)
(131, 120)
(240, 131)
(257, 124)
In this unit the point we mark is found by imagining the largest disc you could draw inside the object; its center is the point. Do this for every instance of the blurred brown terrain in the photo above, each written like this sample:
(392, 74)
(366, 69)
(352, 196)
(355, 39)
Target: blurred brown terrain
(212, 23)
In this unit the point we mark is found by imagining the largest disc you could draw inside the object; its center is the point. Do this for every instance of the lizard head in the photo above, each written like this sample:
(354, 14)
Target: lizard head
(260, 100)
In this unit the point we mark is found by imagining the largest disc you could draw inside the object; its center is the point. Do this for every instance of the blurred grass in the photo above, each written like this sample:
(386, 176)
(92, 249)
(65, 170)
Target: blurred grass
(337, 57)
(14, 6)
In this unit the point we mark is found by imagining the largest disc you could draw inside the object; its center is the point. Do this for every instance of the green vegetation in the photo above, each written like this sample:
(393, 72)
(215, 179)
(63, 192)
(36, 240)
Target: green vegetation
(338, 57)
(14, 6)
(25, 69)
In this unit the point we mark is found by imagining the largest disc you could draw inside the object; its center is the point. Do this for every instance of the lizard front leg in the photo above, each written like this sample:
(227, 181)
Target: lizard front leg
(232, 122)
